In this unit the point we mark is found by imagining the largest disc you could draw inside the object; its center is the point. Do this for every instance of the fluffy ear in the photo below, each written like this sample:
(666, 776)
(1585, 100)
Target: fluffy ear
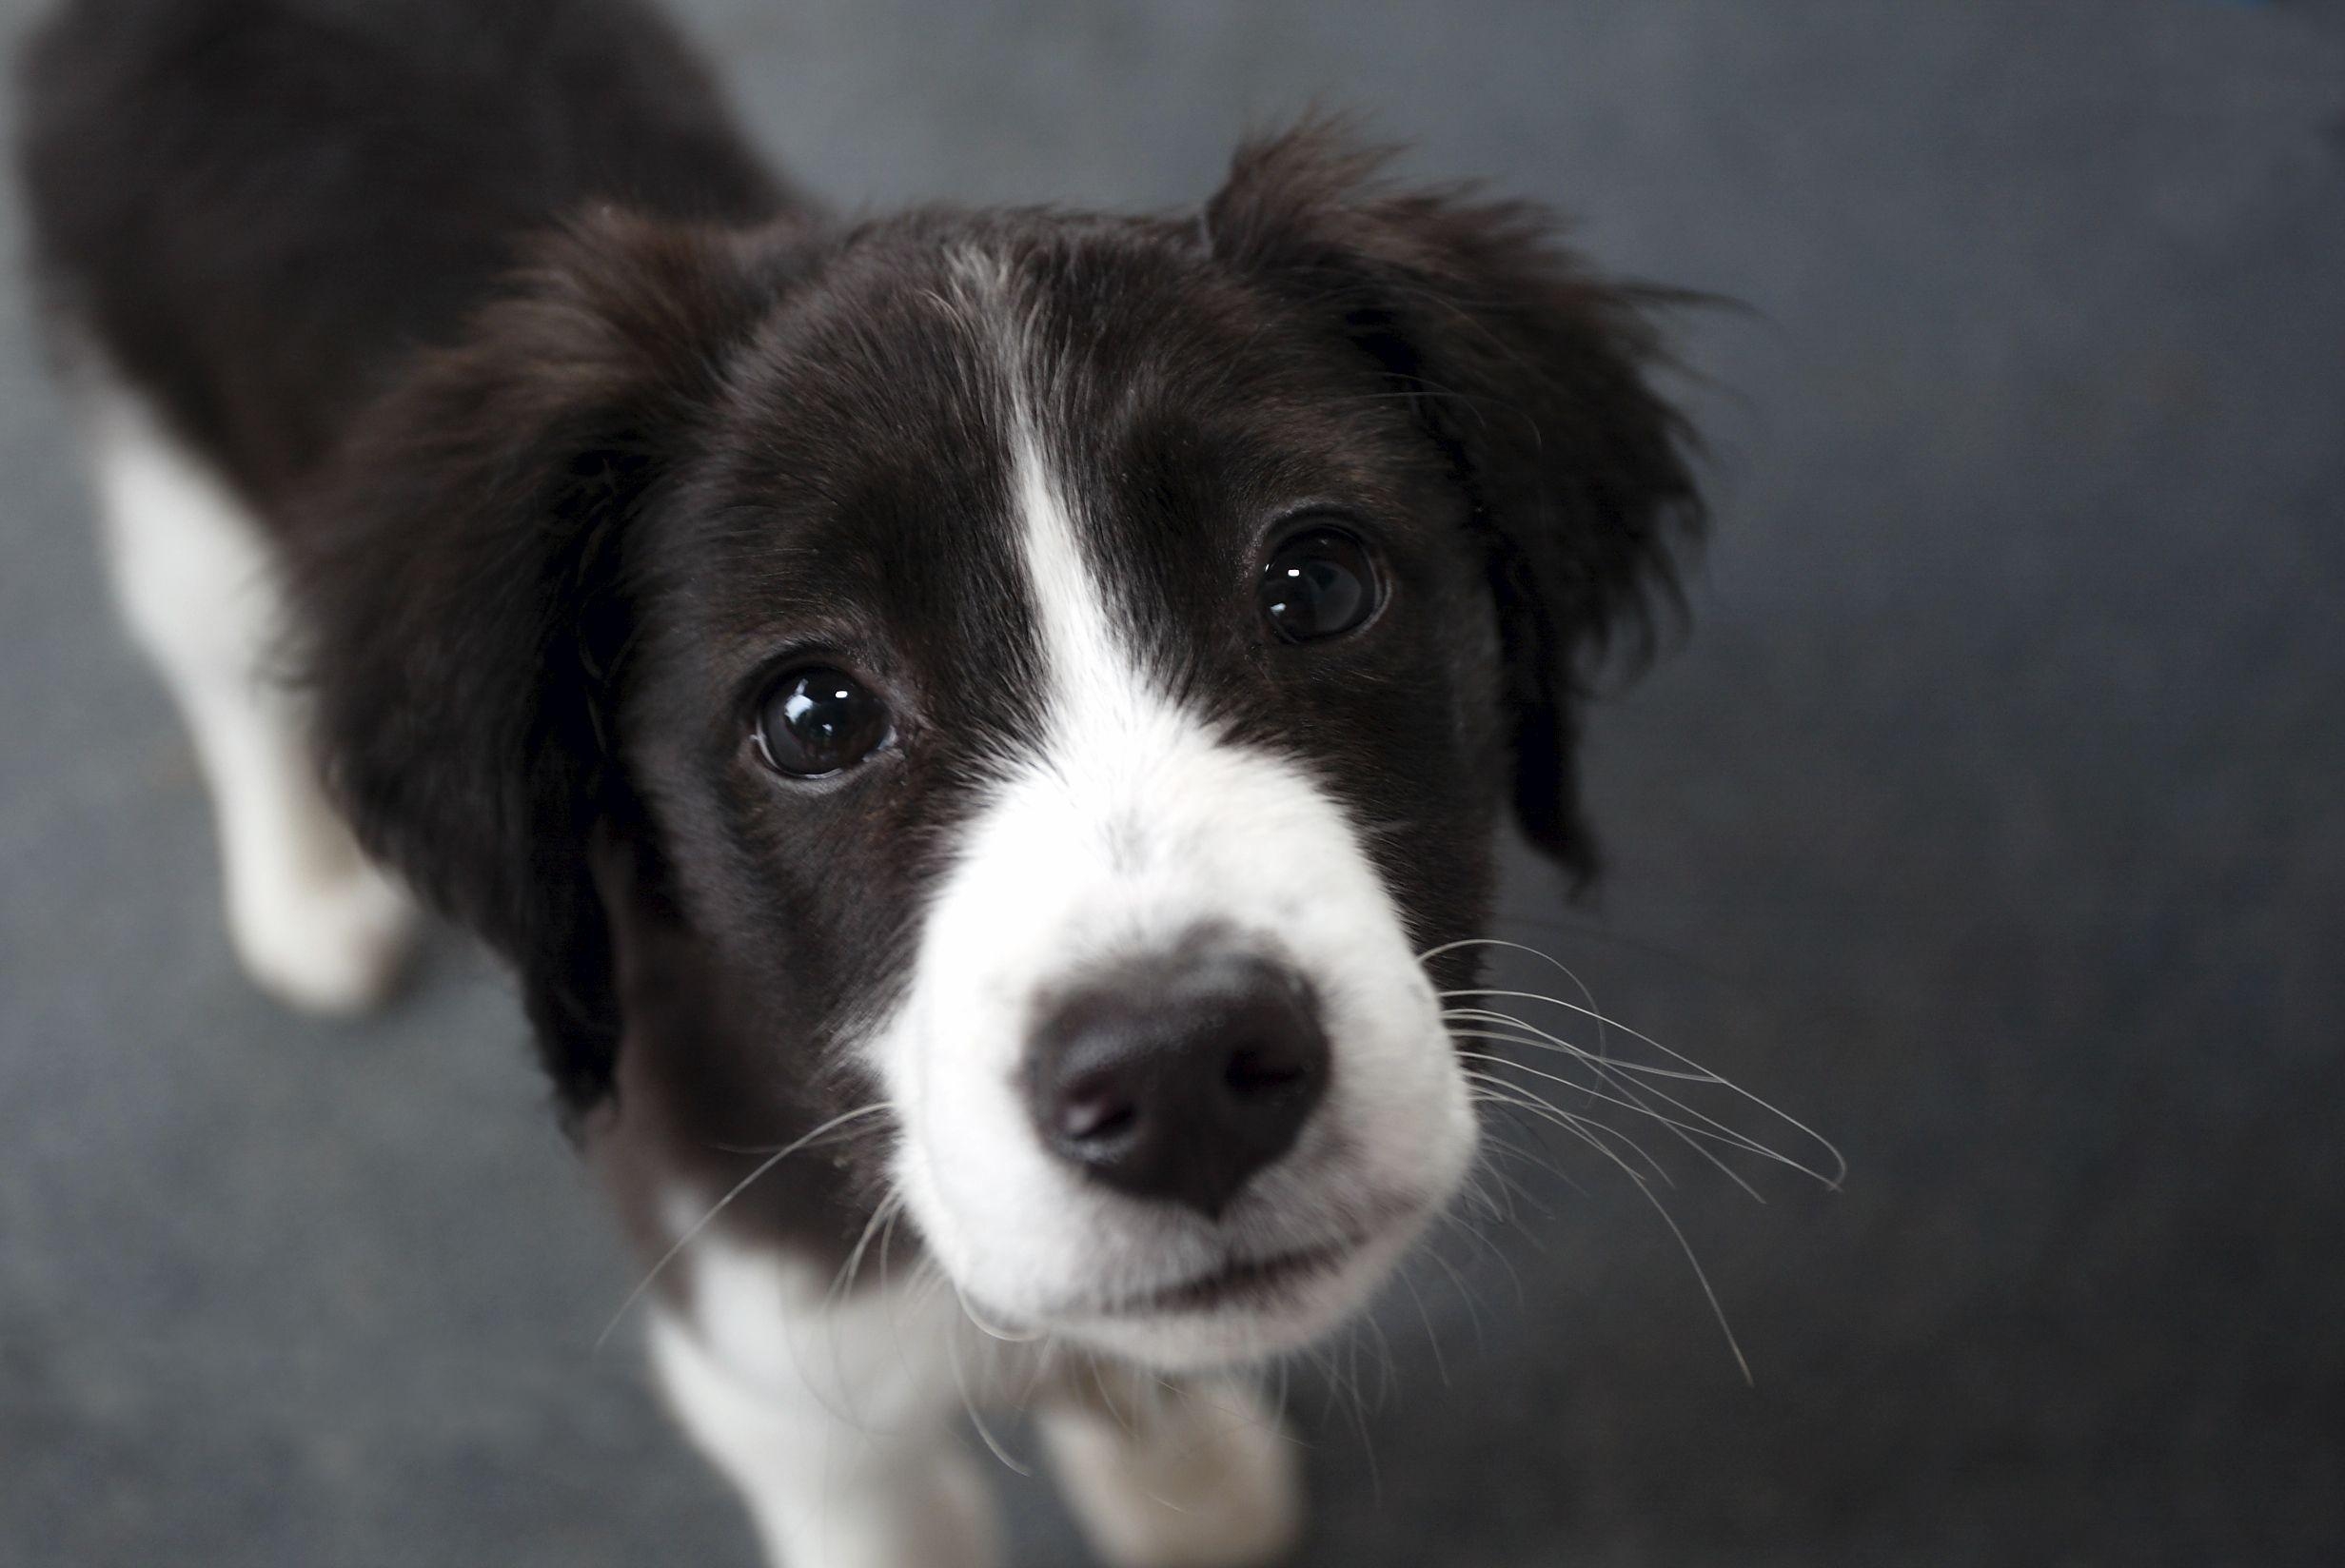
(1532, 373)
(462, 569)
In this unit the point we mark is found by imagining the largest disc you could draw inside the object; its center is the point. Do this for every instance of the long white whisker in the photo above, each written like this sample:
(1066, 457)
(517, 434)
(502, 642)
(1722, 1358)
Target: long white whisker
(1458, 1224)
(1605, 1067)
(1007, 1336)
(1700, 1276)
(720, 1206)
(844, 1281)
(1359, 1415)
(1432, 1341)
(1840, 1163)
(1324, 1359)
(1501, 1146)
(969, 1404)
(1386, 1369)
(1473, 1311)
(1486, 1088)
(1685, 1132)
(1682, 1133)
(1583, 1128)
(1548, 1042)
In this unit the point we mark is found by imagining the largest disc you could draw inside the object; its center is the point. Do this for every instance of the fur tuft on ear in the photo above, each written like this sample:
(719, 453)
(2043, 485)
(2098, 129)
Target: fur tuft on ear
(1533, 374)
(461, 567)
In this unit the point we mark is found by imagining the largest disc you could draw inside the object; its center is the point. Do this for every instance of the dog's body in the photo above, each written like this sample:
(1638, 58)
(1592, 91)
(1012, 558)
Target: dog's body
(979, 733)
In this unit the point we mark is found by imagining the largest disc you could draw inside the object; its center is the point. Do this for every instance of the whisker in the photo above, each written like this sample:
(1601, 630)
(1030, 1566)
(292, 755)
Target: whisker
(1433, 1340)
(1549, 1042)
(721, 1204)
(1685, 1132)
(1476, 1191)
(1840, 1163)
(969, 1404)
(1585, 1129)
(1099, 1380)
(1494, 1251)
(1603, 1038)
(1498, 1146)
(1359, 1415)
(1386, 1370)
(1697, 1073)
(1007, 1336)
(1644, 1188)
(844, 1281)
(1606, 1069)
(1474, 1310)
(896, 1303)
(1555, 1042)
(1325, 1360)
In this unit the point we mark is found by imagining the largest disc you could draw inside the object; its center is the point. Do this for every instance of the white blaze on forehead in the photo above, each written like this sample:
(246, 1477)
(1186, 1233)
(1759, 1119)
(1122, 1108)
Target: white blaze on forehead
(1092, 666)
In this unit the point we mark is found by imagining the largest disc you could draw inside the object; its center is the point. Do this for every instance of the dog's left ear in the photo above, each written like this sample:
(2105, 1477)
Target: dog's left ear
(1533, 375)
(465, 567)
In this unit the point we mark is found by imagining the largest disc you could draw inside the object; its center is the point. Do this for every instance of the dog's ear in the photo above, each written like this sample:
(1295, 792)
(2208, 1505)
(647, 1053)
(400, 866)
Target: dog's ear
(1533, 375)
(462, 568)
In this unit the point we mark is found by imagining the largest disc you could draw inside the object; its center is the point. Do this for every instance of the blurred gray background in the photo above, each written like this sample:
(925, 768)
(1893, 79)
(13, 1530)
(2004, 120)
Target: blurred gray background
(1991, 822)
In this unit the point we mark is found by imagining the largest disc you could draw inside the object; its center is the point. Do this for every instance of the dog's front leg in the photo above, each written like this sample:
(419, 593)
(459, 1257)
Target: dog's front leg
(844, 1464)
(1194, 1474)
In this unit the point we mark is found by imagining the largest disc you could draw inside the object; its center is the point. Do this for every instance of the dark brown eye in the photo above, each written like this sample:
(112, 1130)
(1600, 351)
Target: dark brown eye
(818, 720)
(1320, 583)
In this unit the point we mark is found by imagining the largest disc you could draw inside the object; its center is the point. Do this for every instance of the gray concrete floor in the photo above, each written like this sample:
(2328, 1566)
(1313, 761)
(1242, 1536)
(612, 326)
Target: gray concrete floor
(1992, 821)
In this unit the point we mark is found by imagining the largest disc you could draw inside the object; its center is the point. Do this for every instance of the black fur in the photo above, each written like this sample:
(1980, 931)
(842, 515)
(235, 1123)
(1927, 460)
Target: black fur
(1531, 372)
(575, 425)
(258, 208)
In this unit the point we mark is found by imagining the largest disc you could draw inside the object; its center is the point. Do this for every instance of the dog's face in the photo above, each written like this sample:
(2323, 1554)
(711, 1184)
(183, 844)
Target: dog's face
(1072, 682)
(1063, 676)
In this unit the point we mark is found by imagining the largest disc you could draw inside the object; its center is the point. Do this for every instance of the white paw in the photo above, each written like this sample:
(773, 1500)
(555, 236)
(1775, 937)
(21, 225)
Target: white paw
(946, 1522)
(942, 1519)
(336, 946)
(1202, 1477)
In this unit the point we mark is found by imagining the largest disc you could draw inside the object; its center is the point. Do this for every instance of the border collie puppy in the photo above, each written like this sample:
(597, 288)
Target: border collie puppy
(979, 733)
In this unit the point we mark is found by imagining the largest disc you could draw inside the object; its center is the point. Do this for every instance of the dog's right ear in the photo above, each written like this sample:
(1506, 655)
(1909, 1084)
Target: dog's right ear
(464, 574)
(1534, 374)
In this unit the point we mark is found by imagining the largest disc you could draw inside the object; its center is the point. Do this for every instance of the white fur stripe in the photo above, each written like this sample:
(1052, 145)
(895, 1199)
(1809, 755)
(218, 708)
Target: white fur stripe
(1128, 824)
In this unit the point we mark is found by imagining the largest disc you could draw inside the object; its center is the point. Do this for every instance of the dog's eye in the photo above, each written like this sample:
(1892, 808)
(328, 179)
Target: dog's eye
(818, 720)
(1318, 583)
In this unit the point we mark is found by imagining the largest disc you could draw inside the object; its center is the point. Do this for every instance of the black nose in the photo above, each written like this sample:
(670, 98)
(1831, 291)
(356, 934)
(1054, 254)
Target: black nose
(1179, 1079)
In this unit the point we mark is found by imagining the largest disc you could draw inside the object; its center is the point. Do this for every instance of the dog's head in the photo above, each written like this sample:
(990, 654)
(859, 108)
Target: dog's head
(1055, 678)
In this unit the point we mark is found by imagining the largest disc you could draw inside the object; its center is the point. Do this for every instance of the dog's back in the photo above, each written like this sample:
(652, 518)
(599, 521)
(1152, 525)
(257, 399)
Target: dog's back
(248, 209)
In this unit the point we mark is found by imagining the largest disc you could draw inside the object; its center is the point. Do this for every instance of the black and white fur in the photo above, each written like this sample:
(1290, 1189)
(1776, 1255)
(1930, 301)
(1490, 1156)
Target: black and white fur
(461, 360)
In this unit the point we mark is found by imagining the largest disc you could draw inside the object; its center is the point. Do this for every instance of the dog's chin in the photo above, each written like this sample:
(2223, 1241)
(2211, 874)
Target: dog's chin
(1243, 1312)
(1248, 1314)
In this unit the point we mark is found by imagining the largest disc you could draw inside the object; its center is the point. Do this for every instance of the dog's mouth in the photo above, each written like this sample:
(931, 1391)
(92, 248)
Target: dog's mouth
(1231, 1303)
(1242, 1283)
(1278, 1283)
